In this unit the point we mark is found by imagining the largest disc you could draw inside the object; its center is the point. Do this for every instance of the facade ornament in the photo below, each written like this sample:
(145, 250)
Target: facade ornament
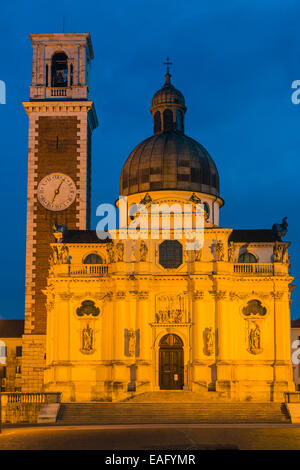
(219, 251)
(146, 199)
(131, 342)
(87, 308)
(143, 251)
(194, 198)
(58, 232)
(120, 251)
(277, 295)
(59, 255)
(254, 307)
(143, 295)
(231, 250)
(198, 295)
(111, 253)
(120, 295)
(254, 339)
(277, 252)
(209, 341)
(87, 340)
(66, 295)
(219, 295)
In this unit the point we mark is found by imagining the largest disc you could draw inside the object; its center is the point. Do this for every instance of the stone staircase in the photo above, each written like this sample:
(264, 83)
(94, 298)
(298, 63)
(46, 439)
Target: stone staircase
(167, 413)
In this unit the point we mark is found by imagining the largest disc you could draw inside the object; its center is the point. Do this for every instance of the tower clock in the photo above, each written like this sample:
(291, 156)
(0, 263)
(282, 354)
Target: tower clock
(61, 121)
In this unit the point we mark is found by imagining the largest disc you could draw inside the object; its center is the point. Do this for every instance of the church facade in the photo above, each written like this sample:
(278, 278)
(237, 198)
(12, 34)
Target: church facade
(110, 317)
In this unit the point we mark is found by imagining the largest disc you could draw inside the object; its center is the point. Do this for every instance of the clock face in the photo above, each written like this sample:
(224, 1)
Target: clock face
(56, 191)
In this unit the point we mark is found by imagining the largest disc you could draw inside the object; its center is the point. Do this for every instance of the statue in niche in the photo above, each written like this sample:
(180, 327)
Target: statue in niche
(255, 339)
(143, 251)
(209, 341)
(54, 257)
(64, 254)
(231, 252)
(285, 255)
(219, 251)
(87, 339)
(277, 250)
(131, 338)
(120, 251)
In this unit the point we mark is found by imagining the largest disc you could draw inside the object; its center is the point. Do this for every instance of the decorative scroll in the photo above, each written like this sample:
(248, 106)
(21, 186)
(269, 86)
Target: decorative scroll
(254, 307)
(88, 307)
(146, 199)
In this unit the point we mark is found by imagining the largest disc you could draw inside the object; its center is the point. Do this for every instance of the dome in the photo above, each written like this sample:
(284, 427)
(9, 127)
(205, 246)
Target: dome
(169, 160)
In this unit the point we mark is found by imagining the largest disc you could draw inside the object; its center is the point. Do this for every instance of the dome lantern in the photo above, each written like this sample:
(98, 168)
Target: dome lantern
(168, 107)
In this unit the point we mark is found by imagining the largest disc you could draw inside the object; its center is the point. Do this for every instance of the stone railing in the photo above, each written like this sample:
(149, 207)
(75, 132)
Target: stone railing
(92, 270)
(19, 407)
(254, 269)
(59, 92)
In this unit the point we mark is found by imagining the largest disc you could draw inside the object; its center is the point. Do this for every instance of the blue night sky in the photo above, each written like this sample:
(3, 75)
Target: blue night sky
(233, 60)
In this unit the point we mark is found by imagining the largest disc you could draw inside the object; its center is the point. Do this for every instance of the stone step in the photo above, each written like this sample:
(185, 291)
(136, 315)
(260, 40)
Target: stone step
(130, 413)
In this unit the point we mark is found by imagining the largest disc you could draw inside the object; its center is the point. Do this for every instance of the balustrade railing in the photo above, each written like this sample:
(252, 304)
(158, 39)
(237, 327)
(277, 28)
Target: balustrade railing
(93, 270)
(254, 269)
(36, 397)
(58, 92)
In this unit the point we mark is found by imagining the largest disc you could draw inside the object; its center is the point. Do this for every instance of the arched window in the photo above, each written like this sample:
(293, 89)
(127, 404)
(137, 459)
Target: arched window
(247, 258)
(157, 122)
(168, 120)
(206, 210)
(59, 70)
(93, 258)
(179, 120)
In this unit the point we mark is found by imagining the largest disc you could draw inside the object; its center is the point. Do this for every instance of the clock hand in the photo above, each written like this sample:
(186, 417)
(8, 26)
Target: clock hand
(57, 191)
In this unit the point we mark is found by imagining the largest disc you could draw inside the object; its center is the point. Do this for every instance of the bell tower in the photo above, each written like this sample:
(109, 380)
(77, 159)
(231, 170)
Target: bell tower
(61, 121)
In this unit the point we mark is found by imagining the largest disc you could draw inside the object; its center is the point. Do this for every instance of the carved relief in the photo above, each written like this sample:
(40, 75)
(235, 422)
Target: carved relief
(59, 255)
(209, 341)
(198, 254)
(131, 342)
(170, 309)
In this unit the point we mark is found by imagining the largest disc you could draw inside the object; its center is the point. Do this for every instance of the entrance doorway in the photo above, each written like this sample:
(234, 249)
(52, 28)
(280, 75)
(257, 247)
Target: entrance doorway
(171, 365)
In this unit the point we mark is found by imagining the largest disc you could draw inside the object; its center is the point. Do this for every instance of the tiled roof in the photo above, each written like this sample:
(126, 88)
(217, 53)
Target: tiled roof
(253, 235)
(83, 236)
(11, 328)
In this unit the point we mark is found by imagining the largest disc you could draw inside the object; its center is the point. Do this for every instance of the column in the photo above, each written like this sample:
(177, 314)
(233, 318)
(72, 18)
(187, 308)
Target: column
(144, 331)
